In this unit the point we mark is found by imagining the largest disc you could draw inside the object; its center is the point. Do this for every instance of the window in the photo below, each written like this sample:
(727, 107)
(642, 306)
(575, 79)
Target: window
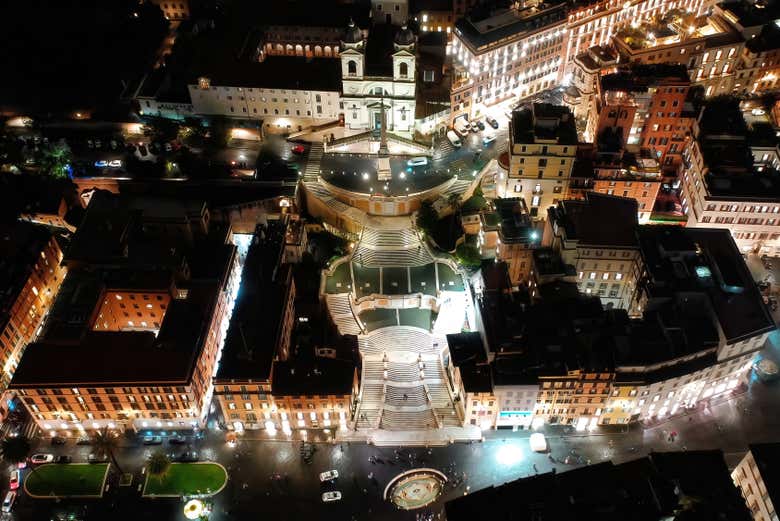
(428, 76)
(403, 70)
(351, 69)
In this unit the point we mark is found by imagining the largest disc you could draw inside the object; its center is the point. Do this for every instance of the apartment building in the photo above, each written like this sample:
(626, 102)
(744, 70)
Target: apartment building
(709, 48)
(510, 53)
(152, 279)
(393, 12)
(703, 321)
(627, 175)
(606, 259)
(30, 277)
(759, 65)
(516, 389)
(725, 186)
(433, 15)
(267, 91)
(174, 10)
(582, 95)
(644, 107)
(543, 144)
(756, 478)
(509, 233)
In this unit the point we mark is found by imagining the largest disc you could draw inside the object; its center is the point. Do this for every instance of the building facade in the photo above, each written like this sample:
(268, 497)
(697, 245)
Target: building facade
(543, 144)
(379, 75)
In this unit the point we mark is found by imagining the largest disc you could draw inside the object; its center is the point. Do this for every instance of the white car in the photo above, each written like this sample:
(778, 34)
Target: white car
(8, 502)
(758, 112)
(488, 139)
(329, 475)
(454, 139)
(37, 459)
(334, 495)
(417, 161)
(115, 163)
(538, 443)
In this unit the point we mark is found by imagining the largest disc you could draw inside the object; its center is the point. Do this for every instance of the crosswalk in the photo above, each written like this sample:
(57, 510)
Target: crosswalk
(312, 171)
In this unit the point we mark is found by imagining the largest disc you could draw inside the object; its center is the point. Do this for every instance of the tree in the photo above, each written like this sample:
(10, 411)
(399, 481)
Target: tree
(426, 217)
(55, 159)
(160, 129)
(468, 255)
(158, 464)
(105, 443)
(15, 449)
(219, 134)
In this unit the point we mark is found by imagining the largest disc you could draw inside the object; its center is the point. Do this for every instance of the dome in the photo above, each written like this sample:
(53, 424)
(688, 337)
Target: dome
(353, 34)
(405, 36)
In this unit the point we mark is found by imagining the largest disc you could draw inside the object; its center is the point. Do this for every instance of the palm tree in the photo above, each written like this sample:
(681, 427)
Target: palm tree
(15, 449)
(158, 464)
(105, 443)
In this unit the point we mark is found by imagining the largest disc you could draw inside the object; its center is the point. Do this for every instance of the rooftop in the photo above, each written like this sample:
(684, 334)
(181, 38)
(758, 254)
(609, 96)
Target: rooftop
(21, 245)
(684, 264)
(514, 221)
(543, 123)
(466, 348)
(318, 74)
(649, 488)
(639, 77)
(253, 335)
(483, 27)
(322, 377)
(583, 220)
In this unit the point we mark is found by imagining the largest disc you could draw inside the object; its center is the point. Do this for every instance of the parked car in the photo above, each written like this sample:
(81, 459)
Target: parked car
(491, 121)
(188, 456)
(454, 139)
(58, 440)
(84, 440)
(177, 440)
(115, 163)
(473, 126)
(63, 459)
(481, 125)
(298, 149)
(90, 144)
(153, 440)
(97, 458)
(8, 502)
(168, 147)
(101, 164)
(488, 139)
(461, 127)
(142, 149)
(333, 495)
(538, 442)
(417, 161)
(329, 475)
(13, 480)
(37, 459)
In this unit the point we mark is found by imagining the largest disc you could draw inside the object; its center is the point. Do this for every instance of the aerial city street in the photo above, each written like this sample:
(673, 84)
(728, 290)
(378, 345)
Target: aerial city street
(412, 260)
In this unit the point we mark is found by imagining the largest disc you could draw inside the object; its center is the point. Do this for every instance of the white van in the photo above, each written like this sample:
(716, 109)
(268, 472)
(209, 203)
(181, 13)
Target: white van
(454, 139)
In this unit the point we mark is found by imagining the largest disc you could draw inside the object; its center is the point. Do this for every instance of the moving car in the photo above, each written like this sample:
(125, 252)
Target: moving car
(329, 475)
(8, 502)
(417, 161)
(115, 163)
(298, 149)
(101, 164)
(491, 121)
(13, 481)
(37, 459)
(334, 495)
(488, 139)
(153, 440)
(454, 139)
(538, 442)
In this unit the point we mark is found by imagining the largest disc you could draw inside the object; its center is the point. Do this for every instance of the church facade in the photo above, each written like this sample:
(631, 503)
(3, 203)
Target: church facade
(378, 73)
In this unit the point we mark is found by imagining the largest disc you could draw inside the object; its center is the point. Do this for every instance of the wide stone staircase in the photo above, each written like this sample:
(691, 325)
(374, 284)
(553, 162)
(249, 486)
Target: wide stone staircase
(312, 171)
(391, 248)
(341, 312)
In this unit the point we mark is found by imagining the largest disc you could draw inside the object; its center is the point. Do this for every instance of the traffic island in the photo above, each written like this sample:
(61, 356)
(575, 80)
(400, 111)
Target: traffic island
(75, 480)
(187, 480)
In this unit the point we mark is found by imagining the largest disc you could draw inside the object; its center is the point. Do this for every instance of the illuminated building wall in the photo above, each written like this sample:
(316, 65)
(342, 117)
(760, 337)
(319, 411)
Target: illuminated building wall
(481, 409)
(174, 10)
(516, 405)
(577, 398)
(751, 476)
(251, 406)
(130, 310)
(29, 299)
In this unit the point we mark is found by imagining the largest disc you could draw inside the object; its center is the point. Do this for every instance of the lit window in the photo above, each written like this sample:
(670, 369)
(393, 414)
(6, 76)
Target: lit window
(592, 275)
(618, 276)
(605, 276)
